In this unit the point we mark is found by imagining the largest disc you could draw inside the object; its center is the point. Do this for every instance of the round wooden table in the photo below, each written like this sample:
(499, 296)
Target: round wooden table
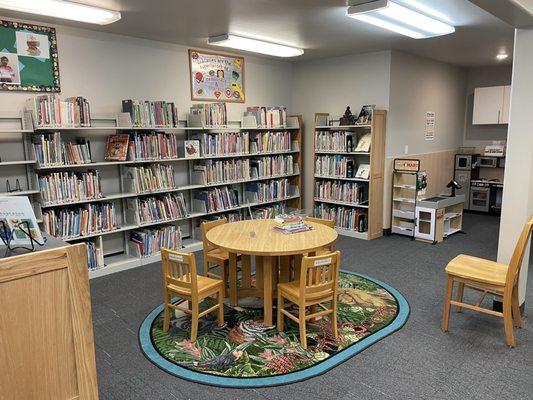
(259, 238)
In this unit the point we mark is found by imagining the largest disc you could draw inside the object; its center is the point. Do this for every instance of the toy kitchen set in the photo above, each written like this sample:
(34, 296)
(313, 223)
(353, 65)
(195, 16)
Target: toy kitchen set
(481, 178)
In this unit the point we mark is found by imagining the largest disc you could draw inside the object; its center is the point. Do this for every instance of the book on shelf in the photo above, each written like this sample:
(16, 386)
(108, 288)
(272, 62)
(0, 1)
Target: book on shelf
(192, 148)
(221, 171)
(208, 115)
(160, 208)
(363, 171)
(365, 115)
(334, 166)
(68, 186)
(268, 117)
(224, 143)
(49, 111)
(151, 114)
(346, 192)
(332, 141)
(80, 221)
(149, 242)
(265, 167)
(95, 255)
(267, 142)
(344, 217)
(278, 189)
(269, 211)
(117, 147)
(15, 213)
(363, 144)
(150, 178)
(50, 150)
(216, 199)
(152, 146)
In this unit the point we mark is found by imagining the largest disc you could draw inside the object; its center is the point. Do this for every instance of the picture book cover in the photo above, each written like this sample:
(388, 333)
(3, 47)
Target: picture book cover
(192, 148)
(14, 212)
(117, 147)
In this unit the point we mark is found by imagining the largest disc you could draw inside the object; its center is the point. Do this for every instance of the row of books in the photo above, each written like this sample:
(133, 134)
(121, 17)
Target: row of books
(95, 256)
(335, 166)
(80, 221)
(159, 208)
(341, 141)
(272, 166)
(271, 141)
(268, 117)
(267, 191)
(269, 211)
(347, 192)
(210, 114)
(216, 199)
(224, 143)
(149, 242)
(50, 111)
(345, 218)
(68, 186)
(151, 114)
(152, 146)
(151, 178)
(211, 172)
(50, 150)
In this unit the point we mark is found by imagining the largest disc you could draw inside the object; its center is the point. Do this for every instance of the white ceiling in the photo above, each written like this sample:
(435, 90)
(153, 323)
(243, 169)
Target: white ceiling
(318, 26)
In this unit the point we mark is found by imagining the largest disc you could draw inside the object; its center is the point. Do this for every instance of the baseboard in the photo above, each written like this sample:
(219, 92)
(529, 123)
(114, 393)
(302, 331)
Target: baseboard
(387, 231)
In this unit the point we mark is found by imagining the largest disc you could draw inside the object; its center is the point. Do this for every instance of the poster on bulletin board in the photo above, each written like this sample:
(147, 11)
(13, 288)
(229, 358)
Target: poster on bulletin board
(28, 58)
(216, 77)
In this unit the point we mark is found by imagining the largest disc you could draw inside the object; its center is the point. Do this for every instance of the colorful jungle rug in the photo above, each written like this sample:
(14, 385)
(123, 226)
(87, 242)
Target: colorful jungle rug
(246, 353)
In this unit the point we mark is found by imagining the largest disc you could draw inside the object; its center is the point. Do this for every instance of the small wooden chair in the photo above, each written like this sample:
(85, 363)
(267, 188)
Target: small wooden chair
(180, 279)
(213, 256)
(327, 222)
(488, 277)
(317, 284)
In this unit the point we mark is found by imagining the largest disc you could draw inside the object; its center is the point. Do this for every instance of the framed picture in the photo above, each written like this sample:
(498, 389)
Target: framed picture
(28, 58)
(216, 77)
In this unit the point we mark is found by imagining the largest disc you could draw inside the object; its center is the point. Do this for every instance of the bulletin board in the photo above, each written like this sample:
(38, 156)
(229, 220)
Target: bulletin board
(216, 77)
(28, 58)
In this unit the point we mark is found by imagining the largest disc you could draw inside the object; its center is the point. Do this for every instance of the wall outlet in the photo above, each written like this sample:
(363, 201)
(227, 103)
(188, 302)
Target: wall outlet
(406, 149)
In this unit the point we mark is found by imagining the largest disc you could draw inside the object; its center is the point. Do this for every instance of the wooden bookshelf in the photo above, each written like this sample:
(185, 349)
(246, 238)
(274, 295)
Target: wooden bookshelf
(115, 243)
(373, 185)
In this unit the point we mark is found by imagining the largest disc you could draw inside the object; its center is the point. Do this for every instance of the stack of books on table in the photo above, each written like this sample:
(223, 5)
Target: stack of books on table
(288, 224)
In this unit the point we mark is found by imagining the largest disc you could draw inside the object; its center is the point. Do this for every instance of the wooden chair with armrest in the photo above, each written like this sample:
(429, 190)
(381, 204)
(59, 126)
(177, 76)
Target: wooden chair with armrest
(214, 257)
(180, 279)
(318, 284)
(488, 277)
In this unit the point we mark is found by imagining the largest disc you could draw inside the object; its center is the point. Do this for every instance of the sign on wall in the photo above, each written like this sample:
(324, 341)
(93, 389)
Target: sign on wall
(216, 77)
(28, 58)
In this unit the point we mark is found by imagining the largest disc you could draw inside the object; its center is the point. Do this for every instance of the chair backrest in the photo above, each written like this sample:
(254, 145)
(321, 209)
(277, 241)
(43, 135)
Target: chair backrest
(319, 275)
(179, 269)
(518, 254)
(205, 227)
(327, 222)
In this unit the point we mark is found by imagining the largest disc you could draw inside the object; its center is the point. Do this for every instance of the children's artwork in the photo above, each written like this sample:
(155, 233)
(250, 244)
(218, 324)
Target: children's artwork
(28, 58)
(216, 77)
(17, 216)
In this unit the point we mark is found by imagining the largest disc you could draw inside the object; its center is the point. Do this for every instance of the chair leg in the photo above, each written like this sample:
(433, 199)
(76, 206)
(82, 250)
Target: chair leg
(334, 327)
(303, 335)
(312, 310)
(517, 318)
(447, 299)
(194, 320)
(460, 290)
(280, 314)
(206, 266)
(220, 298)
(166, 313)
(508, 320)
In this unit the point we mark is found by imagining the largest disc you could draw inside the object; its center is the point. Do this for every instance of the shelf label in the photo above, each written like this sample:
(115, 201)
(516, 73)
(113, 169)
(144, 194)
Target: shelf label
(408, 165)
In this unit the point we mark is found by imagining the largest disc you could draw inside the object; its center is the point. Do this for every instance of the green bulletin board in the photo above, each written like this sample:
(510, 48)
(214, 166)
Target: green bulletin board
(28, 58)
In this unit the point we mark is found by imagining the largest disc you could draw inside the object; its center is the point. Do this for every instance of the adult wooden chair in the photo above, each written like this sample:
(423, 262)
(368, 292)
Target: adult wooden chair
(180, 279)
(488, 277)
(317, 285)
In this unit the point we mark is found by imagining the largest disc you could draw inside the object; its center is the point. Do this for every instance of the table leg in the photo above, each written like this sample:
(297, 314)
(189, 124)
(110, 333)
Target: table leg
(259, 272)
(285, 269)
(246, 271)
(233, 279)
(267, 289)
(297, 260)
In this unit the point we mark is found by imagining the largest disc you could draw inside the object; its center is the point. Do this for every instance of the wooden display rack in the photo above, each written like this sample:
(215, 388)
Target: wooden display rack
(375, 158)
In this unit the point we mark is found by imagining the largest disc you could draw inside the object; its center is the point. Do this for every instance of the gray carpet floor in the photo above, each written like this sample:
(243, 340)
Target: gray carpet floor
(417, 362)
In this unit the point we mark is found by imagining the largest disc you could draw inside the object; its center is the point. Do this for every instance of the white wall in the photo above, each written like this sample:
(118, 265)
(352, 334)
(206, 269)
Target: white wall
(107, 68)
(329, 85)
(517, 205)
(419, 85)
(480, 135)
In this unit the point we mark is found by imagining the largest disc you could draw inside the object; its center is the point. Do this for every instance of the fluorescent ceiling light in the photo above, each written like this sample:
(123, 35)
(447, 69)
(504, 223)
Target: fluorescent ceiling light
(63, 9)
(254, 45)
(399, 19)
(502, 56)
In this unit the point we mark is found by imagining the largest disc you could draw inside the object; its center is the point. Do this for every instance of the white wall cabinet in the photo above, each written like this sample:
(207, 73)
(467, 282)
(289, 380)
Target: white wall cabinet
(491, 105)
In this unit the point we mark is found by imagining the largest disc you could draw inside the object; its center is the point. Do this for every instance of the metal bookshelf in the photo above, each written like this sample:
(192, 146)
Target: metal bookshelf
(375, 158)
(115, 243)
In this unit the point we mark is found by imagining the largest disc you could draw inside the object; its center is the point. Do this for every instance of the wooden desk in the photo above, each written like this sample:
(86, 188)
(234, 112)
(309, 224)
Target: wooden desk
(258, 238)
